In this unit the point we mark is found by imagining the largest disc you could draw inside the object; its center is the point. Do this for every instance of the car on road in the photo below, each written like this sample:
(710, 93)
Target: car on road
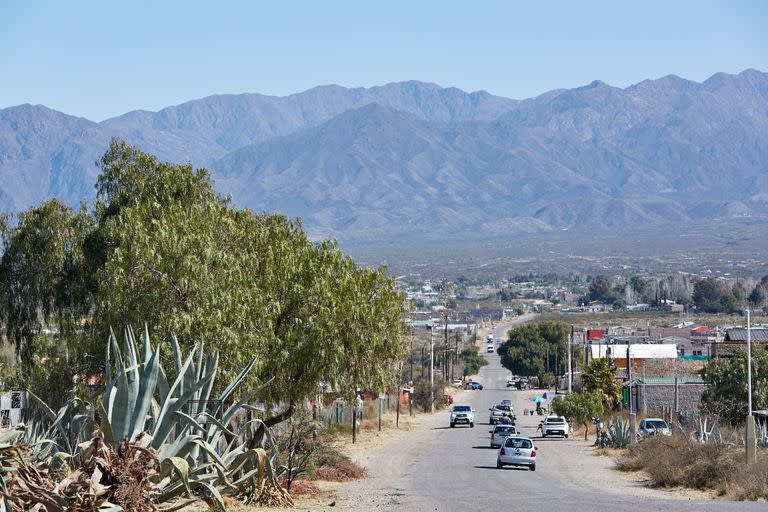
(457, 382)
(499, 412)
(474, 386)
(462, 414)
(653, 426)
(489, 349)
(512, 383)
(517, 451)
(500, 433)
(555, 425)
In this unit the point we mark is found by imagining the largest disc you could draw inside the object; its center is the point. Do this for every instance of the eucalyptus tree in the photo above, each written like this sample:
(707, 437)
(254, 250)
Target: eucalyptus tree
(42, 277)
(190, 263)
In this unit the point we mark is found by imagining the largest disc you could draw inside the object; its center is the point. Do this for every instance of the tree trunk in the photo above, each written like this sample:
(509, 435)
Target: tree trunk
(271, 422)
(586, 430)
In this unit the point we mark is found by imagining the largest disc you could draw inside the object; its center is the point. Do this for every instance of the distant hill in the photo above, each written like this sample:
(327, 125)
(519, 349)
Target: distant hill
(419, 161)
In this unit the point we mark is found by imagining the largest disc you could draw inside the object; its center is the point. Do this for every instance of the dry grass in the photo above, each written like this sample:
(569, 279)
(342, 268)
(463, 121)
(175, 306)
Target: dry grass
(751, 482)
(610, 452)
(673, 462)
(334, 466)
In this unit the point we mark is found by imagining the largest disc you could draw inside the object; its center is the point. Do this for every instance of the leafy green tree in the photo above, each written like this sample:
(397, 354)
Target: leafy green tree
(532, 349)
(640, 287)
(601, 289)
(714, 296)
(599, 376)
(189, 263)
(726, 379)
(472, 359)
(42, 277)
(580, 407)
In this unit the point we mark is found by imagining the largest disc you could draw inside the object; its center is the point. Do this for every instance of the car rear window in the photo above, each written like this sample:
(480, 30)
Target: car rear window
(555, 420)
(516, 442)
(509, 430)
(655, 424)
(462, 408)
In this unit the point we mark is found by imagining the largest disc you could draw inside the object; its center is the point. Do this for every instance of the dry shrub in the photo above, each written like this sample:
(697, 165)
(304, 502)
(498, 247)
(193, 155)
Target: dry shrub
(304, 487)
(751, 482)
(673, 462)
(341, 473)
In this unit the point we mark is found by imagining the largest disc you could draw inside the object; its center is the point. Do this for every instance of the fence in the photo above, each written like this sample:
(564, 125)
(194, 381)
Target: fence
(13, 408)
(340, 411)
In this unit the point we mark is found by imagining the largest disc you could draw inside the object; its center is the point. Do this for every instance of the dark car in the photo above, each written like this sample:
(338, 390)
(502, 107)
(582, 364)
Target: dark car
(474, 386)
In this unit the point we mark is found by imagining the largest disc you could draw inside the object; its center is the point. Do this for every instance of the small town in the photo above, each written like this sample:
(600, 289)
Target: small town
(393, 257)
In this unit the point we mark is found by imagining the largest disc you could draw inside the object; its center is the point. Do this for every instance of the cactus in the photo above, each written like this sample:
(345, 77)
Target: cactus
(617, 433)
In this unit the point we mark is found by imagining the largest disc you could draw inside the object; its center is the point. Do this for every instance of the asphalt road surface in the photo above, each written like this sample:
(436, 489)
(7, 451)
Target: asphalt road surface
(455, 469)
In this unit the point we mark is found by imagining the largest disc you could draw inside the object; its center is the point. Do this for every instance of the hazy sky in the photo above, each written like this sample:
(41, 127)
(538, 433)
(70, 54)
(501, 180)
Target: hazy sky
(99, 59)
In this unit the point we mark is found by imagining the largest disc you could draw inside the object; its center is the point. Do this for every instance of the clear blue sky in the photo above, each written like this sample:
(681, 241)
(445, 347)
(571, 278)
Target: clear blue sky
(99, 59)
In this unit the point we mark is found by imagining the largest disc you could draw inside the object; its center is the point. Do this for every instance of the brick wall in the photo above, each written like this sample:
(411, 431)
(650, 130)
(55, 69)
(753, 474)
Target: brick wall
(655, 396)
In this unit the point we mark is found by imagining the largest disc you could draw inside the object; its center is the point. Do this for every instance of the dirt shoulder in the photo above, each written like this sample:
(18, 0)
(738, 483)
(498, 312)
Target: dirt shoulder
(579, 465)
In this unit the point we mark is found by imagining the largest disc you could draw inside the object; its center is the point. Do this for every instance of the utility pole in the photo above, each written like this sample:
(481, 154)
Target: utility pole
(445, 375)
(431, 370)
(411, 354)
(750, 441)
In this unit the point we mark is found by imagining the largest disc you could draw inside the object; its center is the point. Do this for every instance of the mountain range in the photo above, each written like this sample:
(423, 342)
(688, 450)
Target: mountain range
(418, 161)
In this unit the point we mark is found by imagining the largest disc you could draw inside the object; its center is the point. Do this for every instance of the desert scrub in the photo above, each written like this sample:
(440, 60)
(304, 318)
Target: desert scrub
(677, 462)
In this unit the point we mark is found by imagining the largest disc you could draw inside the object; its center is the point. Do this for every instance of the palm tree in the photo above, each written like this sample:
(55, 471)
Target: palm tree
(600, 376)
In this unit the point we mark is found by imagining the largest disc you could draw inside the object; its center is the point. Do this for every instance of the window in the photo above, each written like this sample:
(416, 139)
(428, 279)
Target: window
(516, 442)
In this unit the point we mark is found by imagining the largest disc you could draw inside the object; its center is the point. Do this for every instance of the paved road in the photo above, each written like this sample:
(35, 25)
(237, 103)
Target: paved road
(454, 469)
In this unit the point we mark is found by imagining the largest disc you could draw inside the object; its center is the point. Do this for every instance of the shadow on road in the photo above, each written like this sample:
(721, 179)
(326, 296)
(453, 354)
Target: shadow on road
(507, 468)
(484, 447)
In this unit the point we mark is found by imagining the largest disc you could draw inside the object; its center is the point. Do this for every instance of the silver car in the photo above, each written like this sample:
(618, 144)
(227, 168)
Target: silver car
(517, 451)
(652, 426)
(500, 433)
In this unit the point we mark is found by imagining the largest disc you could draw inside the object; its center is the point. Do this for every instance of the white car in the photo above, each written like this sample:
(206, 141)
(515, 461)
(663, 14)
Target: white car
(462, 414)
(500, 433)
(499, 412)
(555, 425)
(517, 451)
(653, 426)
(489, 349)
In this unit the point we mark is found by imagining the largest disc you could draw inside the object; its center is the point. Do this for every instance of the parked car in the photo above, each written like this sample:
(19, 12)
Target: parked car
(463, 414)
(512, 383)
(489, 349)
(501, 432)
(474, 386)
(554, 425)
(457, 382)
(652, 426)
(499, 412)
(517, 451)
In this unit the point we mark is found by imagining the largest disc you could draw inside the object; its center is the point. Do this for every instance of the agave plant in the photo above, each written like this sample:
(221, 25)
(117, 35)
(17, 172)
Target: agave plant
(617, 433)
(144, 414)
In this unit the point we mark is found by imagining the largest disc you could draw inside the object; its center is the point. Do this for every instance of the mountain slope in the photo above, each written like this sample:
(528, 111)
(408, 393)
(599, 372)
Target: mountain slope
(597, 156)
(415, 159)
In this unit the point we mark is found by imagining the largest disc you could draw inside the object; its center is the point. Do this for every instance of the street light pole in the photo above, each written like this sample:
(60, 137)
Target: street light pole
(570, 370)
(749, 364)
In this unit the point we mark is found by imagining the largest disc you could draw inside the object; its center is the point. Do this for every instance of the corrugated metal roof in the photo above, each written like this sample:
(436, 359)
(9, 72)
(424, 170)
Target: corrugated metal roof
(740, 334)
(637, 350)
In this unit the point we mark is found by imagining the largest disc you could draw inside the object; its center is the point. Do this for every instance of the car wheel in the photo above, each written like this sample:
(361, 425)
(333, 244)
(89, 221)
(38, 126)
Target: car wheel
(499, 465)
(471, 425)
(566, 436)
(543, 435)
(492, 445)
(453, 425)
(533, 467)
